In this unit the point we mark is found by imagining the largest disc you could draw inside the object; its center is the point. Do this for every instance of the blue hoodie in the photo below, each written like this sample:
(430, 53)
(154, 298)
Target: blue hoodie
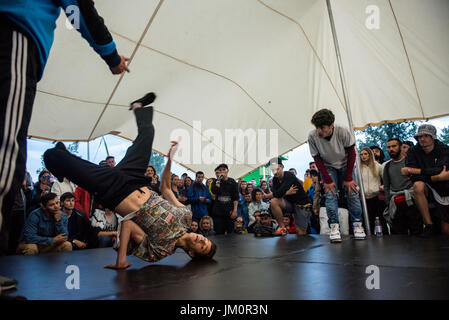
(38, 19)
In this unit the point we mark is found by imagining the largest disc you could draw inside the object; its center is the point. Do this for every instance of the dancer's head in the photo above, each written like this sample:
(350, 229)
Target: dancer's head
(323, 120)
(199, 247)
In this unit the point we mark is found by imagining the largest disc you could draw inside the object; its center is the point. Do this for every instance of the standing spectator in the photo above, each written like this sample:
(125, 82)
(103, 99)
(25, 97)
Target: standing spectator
(45, 229)
(207, 226)
(80, 231)
(294, 172)
(155, 183)
(307, 180)
(288, 197)
(194, 227)
(226, 194)
(105, 225)
(62, 187)
(266, 192)
(199, 197)
(242, 187)
(402, 214)
(379, 155)
(256, 205)
(406, 145)
(188, 182)
(110, 160)
(249, 188)
(26, 33)
(28, 191)
(427, 165)
(314, 194)
(372, 173)
(43, 186)
(333, 149)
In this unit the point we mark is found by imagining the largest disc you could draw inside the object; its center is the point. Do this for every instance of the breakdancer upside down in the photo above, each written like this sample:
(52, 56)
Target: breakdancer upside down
(153, 227)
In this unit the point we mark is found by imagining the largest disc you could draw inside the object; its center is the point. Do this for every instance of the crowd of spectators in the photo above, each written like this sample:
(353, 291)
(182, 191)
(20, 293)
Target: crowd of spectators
(408, 194)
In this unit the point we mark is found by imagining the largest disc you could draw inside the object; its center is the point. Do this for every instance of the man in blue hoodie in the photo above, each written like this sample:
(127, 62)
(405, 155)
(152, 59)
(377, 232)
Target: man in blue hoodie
(199, 197)
(26, 36)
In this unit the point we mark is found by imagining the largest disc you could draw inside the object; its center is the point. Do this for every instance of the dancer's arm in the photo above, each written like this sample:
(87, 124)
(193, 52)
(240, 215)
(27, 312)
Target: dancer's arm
(166, 191)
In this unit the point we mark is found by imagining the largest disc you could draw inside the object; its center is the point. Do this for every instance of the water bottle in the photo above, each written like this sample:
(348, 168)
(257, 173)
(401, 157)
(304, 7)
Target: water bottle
(378, 228)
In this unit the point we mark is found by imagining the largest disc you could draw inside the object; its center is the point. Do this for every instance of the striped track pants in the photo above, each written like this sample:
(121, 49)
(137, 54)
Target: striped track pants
(18, 79)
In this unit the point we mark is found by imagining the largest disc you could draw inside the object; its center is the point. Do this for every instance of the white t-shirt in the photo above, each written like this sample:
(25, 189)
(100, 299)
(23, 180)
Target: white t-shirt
(333, 151)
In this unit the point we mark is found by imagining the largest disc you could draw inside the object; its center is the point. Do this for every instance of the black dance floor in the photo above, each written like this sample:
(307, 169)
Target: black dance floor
(247, 268)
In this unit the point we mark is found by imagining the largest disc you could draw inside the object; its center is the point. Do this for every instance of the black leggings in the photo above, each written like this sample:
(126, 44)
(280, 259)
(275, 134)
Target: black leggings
(109, 185)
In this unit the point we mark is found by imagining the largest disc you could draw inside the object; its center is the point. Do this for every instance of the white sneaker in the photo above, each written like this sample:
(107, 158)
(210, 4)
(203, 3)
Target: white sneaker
(359, 232)
(334, 235)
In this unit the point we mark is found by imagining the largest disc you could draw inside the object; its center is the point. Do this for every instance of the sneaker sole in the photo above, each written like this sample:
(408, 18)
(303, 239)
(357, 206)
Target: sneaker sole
(4, 288)
(359, 238)
(335, 240)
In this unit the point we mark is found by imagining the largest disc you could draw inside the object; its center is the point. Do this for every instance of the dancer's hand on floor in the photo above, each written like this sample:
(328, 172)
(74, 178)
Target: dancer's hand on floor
(118, 266)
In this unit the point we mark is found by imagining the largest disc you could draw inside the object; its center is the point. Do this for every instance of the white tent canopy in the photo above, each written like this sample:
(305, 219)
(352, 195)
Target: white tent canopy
(253, 65)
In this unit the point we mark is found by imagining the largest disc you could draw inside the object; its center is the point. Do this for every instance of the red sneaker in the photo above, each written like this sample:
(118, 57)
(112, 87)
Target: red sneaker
(281, 231)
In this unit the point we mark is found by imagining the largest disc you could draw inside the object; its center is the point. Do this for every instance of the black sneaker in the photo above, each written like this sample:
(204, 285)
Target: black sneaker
(7, 283)
(429, 231)
(145, 100)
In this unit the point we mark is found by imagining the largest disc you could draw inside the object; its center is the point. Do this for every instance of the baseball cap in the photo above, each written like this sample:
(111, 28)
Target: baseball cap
(426, 129)
(223, 165)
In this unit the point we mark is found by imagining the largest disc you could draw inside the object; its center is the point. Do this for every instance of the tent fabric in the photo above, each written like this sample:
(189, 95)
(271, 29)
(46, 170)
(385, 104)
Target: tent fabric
(262, 66)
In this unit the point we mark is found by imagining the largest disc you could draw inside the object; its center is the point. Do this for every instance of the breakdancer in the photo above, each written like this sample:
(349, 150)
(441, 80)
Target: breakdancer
(153, 226)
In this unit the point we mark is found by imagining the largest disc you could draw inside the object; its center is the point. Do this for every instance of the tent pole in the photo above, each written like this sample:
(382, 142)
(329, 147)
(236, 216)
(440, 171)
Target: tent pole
(88, 155)
(348, 113)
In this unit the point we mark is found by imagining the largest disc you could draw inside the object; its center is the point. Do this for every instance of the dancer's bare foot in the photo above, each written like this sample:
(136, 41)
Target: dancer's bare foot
(142, 102)
(120, 266)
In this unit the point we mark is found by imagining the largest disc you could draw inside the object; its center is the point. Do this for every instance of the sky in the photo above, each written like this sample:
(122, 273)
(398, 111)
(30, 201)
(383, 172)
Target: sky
(298, 158)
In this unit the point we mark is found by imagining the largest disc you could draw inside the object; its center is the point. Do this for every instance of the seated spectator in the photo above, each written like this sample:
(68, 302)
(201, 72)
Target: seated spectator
(45, 229)
(43, 186)
(242, 208)
(105, 226)
(406, 145)
(256, 205)
(199, 197)
(401, 212)
(288, 197)
(155, 183)
(110, 160)
(207, 226)
(266, 227)
(289, 223)
(379, 155)
(253, 223)
(62, 187)
(239, 228)
(194, 227)
(80, 232)
(371, 172)
(427, 165)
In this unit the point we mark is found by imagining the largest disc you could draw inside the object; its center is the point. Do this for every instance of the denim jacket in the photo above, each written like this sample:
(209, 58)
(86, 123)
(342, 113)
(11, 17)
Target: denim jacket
(40, 229)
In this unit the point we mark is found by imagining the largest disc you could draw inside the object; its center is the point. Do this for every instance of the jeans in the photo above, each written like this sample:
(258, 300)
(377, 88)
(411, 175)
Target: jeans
(105, 241)
(354, 205)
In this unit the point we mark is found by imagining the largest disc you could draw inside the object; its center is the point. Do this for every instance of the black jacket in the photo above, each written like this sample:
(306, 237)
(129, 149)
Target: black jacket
(430, 164)
(281, 187)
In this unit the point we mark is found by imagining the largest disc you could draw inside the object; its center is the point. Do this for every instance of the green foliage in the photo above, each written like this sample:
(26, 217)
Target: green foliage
(379, 135)
(158, 162)
(444, 136)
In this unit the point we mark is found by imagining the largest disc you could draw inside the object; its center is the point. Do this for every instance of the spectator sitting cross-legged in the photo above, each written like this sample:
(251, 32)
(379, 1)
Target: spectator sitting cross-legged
(45, 229)
(105, 224)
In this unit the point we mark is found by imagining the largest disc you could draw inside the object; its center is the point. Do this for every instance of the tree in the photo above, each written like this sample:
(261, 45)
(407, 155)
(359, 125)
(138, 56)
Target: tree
(444, 136)
(157, 161)
(379, 135)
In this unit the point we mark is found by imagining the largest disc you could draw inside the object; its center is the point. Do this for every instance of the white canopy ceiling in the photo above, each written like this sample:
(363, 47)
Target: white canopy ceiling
(246, 64)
